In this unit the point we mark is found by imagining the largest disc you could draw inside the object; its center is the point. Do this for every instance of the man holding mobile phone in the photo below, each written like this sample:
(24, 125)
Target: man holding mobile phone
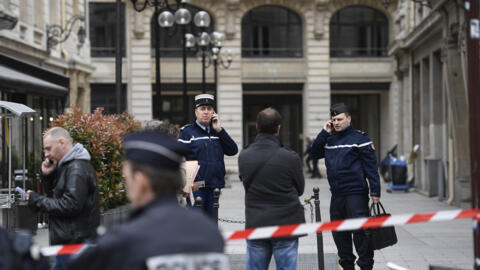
(350, 160)
(208, 142)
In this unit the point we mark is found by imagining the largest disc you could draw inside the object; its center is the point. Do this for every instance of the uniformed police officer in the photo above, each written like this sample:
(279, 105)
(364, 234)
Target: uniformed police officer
(350, 160)
(161, 234)
(208, 143)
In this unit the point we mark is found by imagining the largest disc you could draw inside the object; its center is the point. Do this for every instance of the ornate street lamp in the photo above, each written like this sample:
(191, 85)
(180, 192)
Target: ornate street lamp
(166, 20)
(217, 40)
(183, 18)
(56, 34)
(7, 21)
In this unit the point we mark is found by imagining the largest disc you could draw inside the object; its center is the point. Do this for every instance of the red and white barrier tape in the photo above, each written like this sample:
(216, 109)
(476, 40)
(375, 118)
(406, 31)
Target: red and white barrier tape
(62, 250)
(306, 228)
(348, 224)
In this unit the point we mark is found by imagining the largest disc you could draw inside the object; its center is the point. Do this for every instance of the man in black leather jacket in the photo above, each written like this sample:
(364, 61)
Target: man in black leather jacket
(71, 186)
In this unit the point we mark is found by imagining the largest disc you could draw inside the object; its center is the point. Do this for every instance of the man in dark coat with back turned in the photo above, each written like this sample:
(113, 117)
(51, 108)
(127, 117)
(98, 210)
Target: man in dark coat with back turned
(273, 180)
(70, 182)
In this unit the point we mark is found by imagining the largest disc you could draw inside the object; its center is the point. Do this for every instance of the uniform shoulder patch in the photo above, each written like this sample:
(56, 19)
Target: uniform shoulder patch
(185, 126)
(362, 132)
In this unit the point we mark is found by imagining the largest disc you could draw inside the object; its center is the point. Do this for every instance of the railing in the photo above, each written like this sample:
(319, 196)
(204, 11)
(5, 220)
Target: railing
(104, 52)
(358, 52)
(272, 52)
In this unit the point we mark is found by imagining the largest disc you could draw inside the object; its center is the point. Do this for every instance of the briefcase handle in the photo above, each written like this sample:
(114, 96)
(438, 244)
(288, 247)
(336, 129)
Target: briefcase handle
(375, 210)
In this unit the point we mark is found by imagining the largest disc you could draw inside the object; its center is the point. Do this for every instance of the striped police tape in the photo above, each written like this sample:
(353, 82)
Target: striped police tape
(306, 228)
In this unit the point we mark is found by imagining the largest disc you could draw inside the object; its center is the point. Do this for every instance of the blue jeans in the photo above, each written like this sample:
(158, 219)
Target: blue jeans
(259, 253)
(61, 262)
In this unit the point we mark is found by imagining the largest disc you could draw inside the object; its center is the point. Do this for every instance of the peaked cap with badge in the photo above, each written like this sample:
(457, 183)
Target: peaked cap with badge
(338, 108)
(204, 99)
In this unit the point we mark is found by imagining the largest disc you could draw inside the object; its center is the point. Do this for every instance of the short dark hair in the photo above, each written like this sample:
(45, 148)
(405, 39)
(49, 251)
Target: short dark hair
(164, 182)
(268, 120)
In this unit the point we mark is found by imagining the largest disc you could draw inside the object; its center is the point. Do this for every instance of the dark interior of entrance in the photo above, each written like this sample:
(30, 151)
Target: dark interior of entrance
(290, 108)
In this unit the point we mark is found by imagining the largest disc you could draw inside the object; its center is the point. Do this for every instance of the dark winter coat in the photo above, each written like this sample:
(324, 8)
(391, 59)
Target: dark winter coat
(272, 194)
(208, 148)
(350, 160)
(162, 227)
(72, 202)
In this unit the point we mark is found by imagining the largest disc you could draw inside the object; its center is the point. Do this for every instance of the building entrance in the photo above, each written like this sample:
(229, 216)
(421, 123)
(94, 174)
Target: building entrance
(290, 108)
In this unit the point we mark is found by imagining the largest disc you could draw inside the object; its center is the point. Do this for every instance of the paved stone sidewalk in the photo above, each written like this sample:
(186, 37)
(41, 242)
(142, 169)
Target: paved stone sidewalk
(446, 243)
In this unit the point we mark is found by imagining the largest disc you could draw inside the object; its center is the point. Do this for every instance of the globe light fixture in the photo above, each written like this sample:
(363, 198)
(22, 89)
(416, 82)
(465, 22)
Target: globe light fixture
(202, 19)
(166, 19)
(183, 16)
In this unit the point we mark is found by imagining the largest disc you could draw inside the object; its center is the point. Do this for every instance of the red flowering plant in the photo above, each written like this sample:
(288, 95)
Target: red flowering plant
(101, 135)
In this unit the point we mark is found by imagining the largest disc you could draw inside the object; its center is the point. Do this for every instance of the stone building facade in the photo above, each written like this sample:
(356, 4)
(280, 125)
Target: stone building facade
(27, 43)
(301, 86)
(431, 85)
(400, 67)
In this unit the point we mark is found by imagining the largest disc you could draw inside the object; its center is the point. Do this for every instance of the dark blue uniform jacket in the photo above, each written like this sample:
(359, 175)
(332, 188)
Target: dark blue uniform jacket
(162, 227)
(208, 149)
(350, 160)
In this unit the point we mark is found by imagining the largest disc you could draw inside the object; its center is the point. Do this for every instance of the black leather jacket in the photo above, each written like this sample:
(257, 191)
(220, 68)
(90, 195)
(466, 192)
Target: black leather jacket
(72, 202)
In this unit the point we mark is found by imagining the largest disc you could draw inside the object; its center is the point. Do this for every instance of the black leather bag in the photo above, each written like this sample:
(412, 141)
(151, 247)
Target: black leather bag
(381, 237)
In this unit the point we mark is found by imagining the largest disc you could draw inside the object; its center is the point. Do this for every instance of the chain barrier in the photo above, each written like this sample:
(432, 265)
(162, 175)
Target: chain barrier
(231, 221)
(312, 214)
(307, 203)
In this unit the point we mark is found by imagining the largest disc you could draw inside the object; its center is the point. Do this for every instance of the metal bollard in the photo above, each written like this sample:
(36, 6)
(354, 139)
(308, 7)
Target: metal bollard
(216, 205)
(198, 203)
(318, 218)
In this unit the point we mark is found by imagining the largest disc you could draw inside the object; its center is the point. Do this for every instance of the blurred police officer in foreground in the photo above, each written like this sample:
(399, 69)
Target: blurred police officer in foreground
(160, 234)
(208, 143)
(350, 160)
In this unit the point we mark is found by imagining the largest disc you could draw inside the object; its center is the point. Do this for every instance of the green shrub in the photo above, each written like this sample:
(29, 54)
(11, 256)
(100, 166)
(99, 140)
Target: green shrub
(101, 135)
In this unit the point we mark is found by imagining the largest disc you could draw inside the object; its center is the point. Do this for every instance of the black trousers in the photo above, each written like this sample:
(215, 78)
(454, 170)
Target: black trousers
(351, 206)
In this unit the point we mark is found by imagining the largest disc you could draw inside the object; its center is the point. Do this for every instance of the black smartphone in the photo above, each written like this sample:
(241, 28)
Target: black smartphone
(213, 120)
(332, 128)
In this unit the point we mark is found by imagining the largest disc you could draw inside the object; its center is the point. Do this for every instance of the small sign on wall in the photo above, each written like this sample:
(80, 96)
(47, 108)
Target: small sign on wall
(475, 28)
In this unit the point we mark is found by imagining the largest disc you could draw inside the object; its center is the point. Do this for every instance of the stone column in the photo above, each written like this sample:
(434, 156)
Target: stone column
(139, 66)
(316, 98)
(230, 96)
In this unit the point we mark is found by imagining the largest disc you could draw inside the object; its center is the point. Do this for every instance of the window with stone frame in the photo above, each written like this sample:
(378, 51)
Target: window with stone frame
(103, 29)
(271, 31)
(358, 31)
(104, 95)
(171, 38)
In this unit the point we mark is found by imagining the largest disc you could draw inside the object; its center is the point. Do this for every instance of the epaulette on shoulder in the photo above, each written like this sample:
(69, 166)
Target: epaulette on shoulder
(185, 126)
(361, 132)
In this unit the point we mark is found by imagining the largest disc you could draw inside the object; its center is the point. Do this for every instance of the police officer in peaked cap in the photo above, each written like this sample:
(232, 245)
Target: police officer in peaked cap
(208, 142)
(351, 161)
(158, 227)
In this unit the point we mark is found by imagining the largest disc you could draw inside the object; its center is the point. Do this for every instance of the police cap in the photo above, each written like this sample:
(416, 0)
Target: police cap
(338, 108)
(155, 149)
(204, 99)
